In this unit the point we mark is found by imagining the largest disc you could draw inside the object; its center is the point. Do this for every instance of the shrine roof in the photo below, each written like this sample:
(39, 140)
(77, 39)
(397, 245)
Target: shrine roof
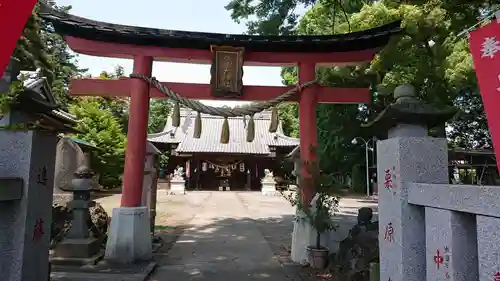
(209, 142)
(38, 102)
(79, 27)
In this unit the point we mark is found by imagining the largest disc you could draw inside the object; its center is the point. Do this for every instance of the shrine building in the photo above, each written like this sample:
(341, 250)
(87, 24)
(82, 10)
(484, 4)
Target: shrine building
(210, 164)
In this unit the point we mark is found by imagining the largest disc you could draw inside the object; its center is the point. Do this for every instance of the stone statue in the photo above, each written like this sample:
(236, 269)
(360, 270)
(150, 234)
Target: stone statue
(178, 173)
(268, 174)
(268, 183)
(359, 248)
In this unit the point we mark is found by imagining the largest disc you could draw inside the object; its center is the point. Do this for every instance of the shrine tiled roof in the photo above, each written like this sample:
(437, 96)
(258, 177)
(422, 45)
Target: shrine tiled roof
(209, 142)
(70, 25)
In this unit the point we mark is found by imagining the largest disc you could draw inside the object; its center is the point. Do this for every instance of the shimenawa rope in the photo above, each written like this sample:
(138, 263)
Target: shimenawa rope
(225, 112)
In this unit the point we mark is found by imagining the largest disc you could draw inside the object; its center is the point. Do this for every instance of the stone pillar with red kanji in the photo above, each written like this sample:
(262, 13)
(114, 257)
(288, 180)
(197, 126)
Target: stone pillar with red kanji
(407, 155)
(27, 161)
(25, 223)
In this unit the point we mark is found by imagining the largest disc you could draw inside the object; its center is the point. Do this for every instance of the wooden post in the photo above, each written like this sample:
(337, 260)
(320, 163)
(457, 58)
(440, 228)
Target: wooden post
(137, 127)
(307, 123)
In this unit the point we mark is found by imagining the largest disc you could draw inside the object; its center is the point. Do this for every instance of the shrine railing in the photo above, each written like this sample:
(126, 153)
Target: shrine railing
(462, 228)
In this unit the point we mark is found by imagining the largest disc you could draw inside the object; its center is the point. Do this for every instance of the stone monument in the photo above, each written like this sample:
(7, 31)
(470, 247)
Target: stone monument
(28, 156)
(268, 183)
(78, 247)
(69, 156)
(150, 182)
(407, 155)
(177, 183)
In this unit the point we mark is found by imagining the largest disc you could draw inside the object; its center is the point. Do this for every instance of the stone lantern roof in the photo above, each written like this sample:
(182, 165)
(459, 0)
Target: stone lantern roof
(409, 109)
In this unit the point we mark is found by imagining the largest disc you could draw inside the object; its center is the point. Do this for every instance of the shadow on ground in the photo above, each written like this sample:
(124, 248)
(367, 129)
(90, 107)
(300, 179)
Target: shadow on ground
(228, 248)
(243, 248)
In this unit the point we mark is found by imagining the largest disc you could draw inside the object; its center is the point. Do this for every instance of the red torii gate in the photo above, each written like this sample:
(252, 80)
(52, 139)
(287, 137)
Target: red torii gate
(145, 45)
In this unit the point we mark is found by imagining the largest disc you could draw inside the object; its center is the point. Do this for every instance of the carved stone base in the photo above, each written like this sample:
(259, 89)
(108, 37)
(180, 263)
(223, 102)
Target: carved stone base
(77, 248)
(268, 189)
(178, 187)
(129, 237)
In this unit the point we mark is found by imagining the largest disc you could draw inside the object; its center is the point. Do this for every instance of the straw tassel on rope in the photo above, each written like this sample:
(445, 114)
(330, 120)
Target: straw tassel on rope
(197, 126)
(273, 126)
(224, 137)
(251, 129)
(176, 115)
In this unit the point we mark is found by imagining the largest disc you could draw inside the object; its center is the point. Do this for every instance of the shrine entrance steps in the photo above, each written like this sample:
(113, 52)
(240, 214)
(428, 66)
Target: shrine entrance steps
(224, 242)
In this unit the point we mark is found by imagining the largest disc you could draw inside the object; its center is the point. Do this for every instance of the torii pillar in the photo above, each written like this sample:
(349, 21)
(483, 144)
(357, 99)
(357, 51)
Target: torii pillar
(307, 123)
(129, 239)
(303, 233)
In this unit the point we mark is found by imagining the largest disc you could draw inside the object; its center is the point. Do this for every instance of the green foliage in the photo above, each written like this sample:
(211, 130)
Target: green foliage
(101, 128)
(6, 99)
(428, 55)
(288, 113)
(116, 105)
(164, 156)
(159, 111)
(280, 17)
(40, 47)
(358, 179)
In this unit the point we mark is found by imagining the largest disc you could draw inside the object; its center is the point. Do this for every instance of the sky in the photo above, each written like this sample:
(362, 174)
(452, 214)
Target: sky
(189, 15)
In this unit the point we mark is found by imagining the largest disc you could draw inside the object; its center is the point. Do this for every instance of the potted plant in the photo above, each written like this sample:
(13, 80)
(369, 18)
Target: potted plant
(319, 212)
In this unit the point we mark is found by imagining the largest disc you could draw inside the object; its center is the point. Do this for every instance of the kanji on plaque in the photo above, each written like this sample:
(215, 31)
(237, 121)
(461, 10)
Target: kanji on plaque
(447, 275)
(496, 277)
(389, 232)
(485, 49)
(38, 230)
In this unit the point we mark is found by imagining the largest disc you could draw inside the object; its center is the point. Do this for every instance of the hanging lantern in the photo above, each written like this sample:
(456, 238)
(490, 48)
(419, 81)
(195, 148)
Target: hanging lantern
(204, 166)
(242, 167)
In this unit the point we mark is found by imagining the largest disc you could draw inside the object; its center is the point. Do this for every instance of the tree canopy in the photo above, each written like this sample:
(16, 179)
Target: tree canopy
(429, 54)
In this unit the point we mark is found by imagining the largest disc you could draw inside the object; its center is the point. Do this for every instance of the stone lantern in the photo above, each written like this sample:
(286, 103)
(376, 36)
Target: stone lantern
(410, 116)
(78, 246)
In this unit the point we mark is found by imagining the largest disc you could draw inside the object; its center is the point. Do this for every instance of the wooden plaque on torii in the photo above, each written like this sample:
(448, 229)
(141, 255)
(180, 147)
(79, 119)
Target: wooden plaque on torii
(227, 71)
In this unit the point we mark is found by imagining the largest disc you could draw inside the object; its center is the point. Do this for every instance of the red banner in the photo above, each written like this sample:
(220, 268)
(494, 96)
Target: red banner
(13, 16)
(485, 49)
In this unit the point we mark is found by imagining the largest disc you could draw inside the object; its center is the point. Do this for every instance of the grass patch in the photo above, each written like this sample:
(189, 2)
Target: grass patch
(163, 227)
